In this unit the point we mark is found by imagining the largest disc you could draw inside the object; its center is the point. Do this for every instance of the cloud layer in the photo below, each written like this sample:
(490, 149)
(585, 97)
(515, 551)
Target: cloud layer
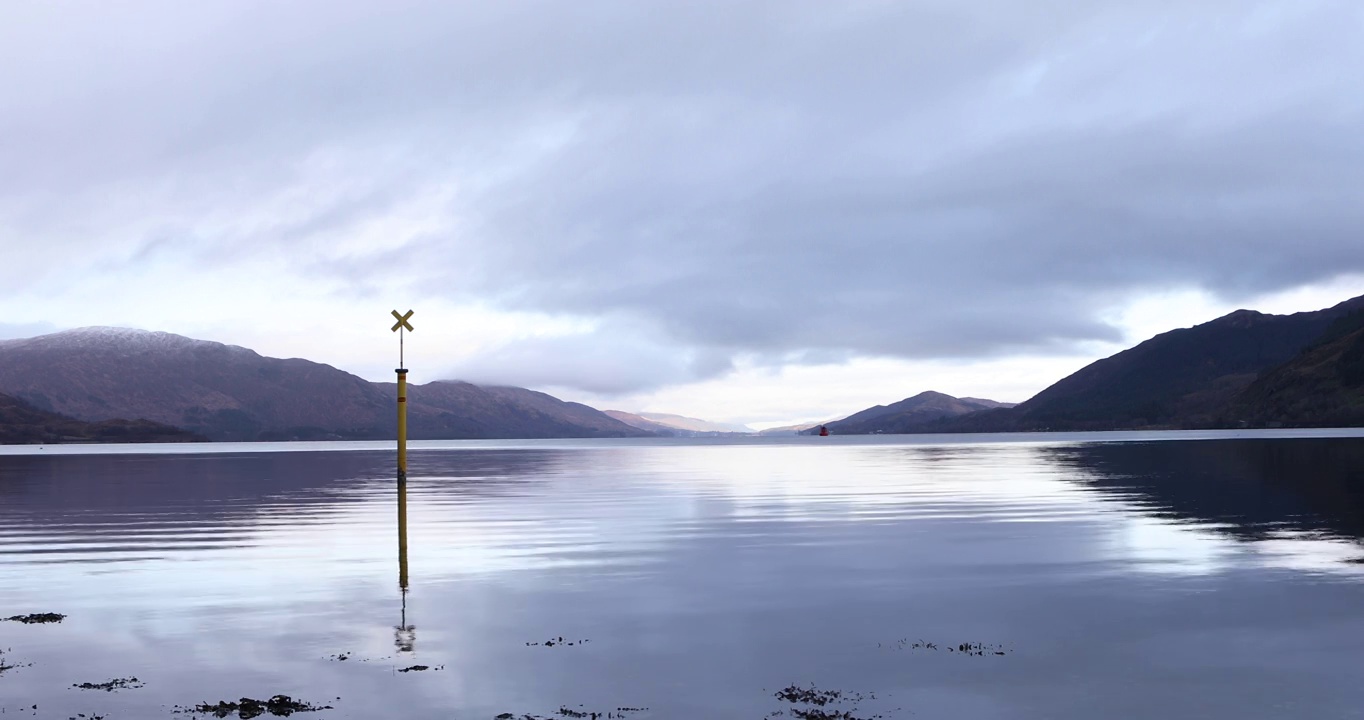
(768, 180)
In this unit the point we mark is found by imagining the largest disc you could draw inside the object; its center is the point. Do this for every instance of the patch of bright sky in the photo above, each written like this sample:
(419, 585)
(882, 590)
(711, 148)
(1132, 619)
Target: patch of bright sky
(1158, 312)
(763, 396)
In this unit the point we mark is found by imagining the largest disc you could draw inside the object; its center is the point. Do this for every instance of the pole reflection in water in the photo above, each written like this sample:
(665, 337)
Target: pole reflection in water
(404, 636)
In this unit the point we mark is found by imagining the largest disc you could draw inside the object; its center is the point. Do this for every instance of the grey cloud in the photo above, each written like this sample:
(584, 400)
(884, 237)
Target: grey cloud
(932, 179)
(616, 358)
(12, 330)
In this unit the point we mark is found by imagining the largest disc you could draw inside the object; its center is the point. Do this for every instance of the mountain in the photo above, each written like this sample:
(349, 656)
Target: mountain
(452, 409)
(987, 403)
(668, 425)
(23, 424)
(1322, 386)
(1183, 378)
(920, 413)
(227, 392)
(221, 391)
(694, 425)
(636, 421)
(789, 429)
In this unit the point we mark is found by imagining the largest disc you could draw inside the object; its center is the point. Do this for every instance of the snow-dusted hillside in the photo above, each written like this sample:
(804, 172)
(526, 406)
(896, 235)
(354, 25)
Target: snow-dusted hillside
(119, 339)
(226, 392)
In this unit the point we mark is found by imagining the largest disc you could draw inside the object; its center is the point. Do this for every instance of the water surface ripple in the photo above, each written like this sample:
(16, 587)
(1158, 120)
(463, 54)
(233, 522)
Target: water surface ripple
(1168, 575)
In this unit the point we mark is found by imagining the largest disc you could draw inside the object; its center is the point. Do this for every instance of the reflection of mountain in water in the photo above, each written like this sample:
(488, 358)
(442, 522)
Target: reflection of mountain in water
(143, 503)
(1254, 487)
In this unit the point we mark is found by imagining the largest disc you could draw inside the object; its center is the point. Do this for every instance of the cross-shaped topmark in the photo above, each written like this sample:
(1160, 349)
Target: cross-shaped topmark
(402, 321)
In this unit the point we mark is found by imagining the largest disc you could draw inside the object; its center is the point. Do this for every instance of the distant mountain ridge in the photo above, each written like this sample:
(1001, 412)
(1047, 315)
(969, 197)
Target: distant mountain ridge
(677, 425)
(454, 409)
(635, 421)
(225, 392)
(910, 415)
(683, 422)
(796, 429)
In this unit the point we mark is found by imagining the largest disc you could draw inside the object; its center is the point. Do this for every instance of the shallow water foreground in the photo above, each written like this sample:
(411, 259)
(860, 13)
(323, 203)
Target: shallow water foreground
(905, 578)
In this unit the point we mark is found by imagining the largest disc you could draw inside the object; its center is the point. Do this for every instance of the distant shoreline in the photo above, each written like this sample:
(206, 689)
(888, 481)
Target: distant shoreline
(795, 441)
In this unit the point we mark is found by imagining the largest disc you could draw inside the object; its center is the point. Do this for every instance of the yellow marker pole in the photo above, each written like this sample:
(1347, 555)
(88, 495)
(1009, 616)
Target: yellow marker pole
(405, 635)
(402, 425)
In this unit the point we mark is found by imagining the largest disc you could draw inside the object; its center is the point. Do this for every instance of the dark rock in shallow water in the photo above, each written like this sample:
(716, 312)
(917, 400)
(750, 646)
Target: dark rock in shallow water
(966, 648)
(567, 712)
(797, 694)
(342, 657)
(37, 618)
(810, 704)
(115, 684)
(557, 641)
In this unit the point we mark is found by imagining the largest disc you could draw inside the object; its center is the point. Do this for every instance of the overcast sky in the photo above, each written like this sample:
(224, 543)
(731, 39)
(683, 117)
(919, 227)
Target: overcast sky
(745, 211)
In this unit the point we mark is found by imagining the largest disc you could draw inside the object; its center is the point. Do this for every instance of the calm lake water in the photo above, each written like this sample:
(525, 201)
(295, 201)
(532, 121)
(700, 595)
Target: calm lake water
(1168, 575)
